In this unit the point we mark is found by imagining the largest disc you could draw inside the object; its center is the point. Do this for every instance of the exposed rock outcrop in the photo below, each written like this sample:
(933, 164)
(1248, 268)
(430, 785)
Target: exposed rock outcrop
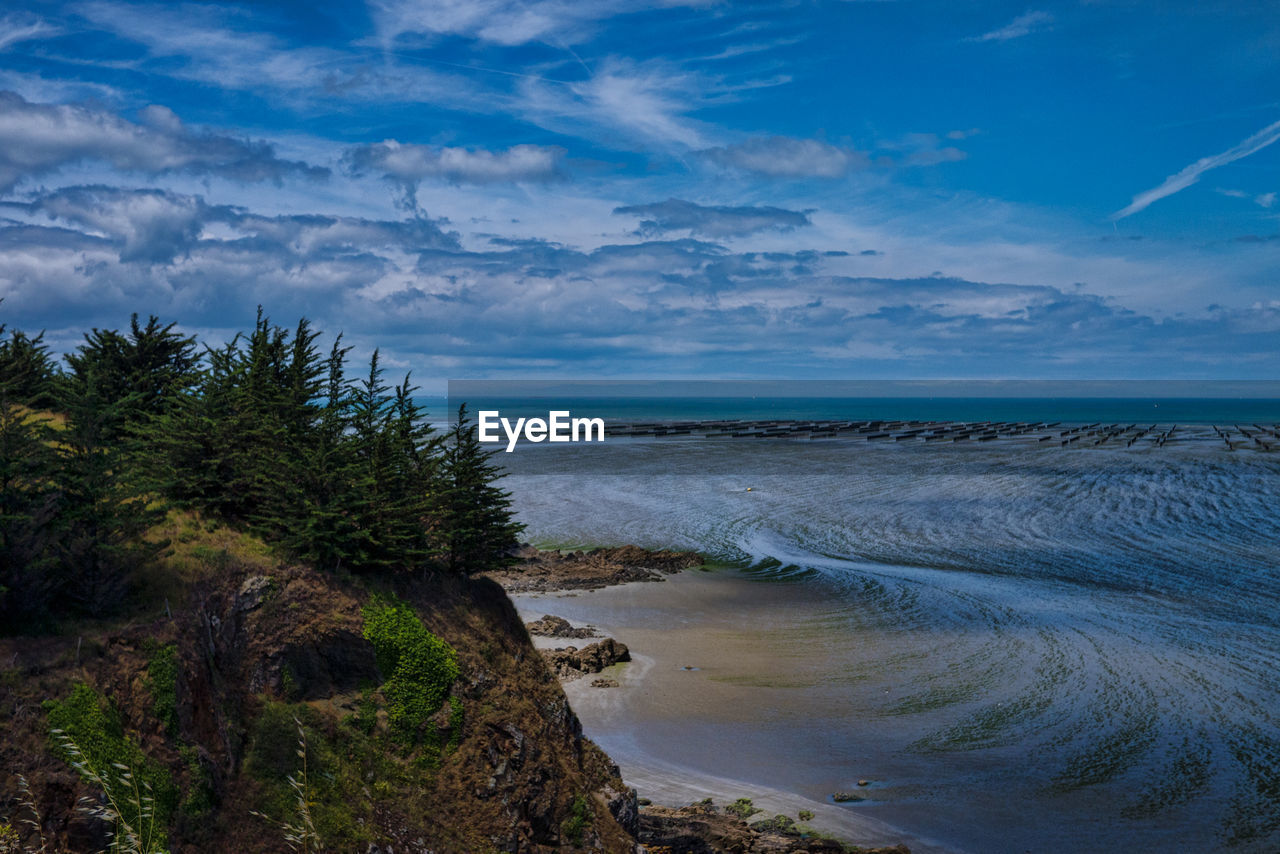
(503, 766)
(542, 571)
(572, 663)
(558, 627)
(703, 829)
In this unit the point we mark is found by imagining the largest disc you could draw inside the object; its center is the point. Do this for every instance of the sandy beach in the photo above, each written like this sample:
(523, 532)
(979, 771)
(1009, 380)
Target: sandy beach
(711, 668)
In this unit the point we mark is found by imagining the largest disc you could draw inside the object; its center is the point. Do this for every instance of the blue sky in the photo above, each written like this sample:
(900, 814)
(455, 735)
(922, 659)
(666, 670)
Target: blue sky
(903, 189)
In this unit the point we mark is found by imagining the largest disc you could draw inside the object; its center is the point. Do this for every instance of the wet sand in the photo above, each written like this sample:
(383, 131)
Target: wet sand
(723, 670)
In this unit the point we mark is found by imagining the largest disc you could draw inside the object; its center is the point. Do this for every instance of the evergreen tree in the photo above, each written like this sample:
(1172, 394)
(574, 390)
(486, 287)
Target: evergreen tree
(146, 371)
(322, 495)
(29, 579)
(101, 513)
(475, 513)
(26, 370)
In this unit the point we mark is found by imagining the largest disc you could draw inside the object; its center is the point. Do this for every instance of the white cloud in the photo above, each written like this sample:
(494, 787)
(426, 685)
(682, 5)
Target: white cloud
(622, 104)
(22, 27)
(504, 22)
(786, 157)
(1023, 25)
(412, 163)
(36, 139)
(1188, 176)
(714, 221)
(194, 43)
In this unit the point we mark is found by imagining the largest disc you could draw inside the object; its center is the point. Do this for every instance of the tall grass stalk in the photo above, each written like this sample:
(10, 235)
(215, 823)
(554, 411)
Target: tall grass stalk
(35, 821)
(130, 807)
(300, 834)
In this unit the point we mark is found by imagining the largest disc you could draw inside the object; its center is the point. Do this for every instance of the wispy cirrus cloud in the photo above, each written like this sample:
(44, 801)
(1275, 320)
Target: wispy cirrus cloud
(1262, 200)
(787, 157)
(1191, 174)
(21, 27)
(504, 22)
(921, 149)
(623, 103)
(1023, 25)
(36, 139)
(212, 45)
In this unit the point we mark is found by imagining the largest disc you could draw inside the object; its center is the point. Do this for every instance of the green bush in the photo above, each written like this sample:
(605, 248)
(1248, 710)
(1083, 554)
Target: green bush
(201, 798)
(93, 725)
(742, 808)
(162, 670)
(573, 827)
(779, 824)
(351, 778)
(456, 717)
(420, 667)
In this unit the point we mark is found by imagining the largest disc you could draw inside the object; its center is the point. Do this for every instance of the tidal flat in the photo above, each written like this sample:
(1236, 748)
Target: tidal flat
(1018, 648)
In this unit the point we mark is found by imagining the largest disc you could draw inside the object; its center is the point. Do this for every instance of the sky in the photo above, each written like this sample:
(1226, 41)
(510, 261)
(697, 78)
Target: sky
(903, 189)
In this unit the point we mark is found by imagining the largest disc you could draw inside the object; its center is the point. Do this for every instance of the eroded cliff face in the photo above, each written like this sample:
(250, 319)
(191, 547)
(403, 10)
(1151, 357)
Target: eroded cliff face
(503, 766)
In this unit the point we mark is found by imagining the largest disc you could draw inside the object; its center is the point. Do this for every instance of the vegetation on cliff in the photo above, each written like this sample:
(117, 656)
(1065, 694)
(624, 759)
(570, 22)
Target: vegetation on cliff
(237, 589)
(266, 434)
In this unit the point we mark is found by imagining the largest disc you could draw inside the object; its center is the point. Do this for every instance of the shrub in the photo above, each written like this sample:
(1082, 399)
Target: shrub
(299, 832)
(87, 732)
(779, 824)
(573, 827)
(420, 667)
(742, 808)
(162, 671)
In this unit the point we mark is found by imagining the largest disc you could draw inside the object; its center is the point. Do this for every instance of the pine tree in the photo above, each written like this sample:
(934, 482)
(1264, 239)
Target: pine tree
(145, 371)
(475, 513)
(322, 494)
(29, 580)
(27, 372)
(102, 514)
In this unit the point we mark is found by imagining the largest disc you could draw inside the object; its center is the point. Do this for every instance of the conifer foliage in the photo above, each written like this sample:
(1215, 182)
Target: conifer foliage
(476, 513)
(267, 432)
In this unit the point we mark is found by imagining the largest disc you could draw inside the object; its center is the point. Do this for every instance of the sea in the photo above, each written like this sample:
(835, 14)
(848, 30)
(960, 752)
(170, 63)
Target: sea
(1020, 646)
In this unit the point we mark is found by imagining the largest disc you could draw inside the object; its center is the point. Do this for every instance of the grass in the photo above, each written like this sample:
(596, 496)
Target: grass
(86, 730)
(299, 832)
(162, 676)
(575, 826)
(129, 805)
(199, 549)
(353, 779)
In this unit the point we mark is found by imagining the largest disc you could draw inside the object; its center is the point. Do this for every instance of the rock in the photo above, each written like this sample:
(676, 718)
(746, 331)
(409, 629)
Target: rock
(604, 683)
(864, 782)
(539, 571)
(571, 663)
(252, 592)
(845, 797)
(558, 627)
(702, 829)
(624, 806)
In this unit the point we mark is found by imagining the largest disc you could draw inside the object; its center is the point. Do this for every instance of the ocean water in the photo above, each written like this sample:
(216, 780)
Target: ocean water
(1027, 648)
(1080, 410)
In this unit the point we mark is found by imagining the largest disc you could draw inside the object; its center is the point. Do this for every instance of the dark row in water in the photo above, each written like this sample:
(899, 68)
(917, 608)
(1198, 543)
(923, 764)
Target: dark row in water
(1234, 437)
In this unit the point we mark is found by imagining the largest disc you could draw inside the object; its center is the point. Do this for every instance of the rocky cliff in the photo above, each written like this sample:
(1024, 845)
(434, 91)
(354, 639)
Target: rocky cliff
(257, 672)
